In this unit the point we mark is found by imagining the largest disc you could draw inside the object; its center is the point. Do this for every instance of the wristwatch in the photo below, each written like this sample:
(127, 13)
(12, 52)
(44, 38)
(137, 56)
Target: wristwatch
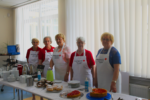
(114, 81)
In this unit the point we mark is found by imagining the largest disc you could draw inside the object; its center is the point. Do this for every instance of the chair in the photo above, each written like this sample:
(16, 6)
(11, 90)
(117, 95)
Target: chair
(125, 82)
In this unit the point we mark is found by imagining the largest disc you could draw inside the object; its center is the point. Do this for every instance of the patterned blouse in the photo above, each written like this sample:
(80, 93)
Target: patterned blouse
(66, 53)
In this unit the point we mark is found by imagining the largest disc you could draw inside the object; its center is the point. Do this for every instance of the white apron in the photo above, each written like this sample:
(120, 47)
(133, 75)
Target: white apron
(33, 59)
(48, 56)
(105, 72)
(81, 71)
(60, 65)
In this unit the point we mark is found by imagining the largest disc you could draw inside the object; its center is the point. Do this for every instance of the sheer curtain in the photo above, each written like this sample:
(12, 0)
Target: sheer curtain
(127, 20)
(36, 20)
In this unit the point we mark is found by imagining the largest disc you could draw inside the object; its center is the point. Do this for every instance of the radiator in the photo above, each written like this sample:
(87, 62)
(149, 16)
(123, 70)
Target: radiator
(139, 91)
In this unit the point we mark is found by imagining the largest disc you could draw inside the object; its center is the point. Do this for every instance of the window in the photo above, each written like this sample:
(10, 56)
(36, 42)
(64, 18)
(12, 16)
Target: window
(127, 20)
(36, 20)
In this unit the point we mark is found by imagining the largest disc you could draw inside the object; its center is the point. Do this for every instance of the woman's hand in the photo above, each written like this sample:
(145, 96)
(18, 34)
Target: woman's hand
(95, 83)
(113, 87)
(66, 77)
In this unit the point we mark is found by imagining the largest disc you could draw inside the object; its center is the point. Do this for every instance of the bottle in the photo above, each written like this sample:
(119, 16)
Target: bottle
(39, 75)
(86, 85)
(49, 75)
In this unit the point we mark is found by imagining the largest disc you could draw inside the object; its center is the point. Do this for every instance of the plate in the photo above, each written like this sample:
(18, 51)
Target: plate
(101, 98)
(54, 91)
(64, 95)
(74, 82)
(39, 87)
(57, 81)
(74, 85)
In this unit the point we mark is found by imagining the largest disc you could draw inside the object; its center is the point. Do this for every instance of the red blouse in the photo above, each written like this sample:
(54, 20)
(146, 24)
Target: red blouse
(89, 58)
(42, 52)
(31, 49)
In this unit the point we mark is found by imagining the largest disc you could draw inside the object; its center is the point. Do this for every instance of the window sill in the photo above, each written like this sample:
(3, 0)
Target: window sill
(139, 80)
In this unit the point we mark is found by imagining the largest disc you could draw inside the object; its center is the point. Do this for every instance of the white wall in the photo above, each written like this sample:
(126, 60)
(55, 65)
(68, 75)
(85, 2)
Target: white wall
(6, 30)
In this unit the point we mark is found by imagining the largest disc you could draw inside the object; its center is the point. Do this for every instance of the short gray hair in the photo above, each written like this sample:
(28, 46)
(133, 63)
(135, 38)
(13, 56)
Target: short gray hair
(81, 38)
(47, 37)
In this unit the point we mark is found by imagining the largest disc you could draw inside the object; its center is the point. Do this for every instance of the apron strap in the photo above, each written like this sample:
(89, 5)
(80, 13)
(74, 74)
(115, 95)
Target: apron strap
(83, 52)
(109, 50)
(61, 48)
(45, 51)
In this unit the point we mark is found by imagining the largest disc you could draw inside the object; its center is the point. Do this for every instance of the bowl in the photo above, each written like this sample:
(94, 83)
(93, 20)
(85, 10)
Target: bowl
(11, 79)
(5, 74)
(74, 84)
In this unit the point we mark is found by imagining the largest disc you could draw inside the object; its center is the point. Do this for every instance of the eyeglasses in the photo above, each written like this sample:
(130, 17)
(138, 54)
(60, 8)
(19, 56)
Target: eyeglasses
(105, 39)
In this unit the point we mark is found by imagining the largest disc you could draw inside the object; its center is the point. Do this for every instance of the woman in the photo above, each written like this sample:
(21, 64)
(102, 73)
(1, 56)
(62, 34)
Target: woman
(82, 64)
(108, 61)
(46, 54)
(61, 58)
(32, 55)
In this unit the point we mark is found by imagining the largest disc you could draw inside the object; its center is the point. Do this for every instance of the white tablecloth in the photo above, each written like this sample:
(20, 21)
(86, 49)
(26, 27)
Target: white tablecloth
(55, 96)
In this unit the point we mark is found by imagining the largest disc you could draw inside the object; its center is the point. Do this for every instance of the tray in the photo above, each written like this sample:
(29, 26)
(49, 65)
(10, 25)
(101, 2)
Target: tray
(57, 81)
(54, 91)
(108, 97)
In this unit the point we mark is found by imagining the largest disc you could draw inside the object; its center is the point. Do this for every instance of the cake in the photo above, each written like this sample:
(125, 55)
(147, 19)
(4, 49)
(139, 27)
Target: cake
(97, 92)
(54, 87)
(73, 94)
(59, 88)
(49, 88)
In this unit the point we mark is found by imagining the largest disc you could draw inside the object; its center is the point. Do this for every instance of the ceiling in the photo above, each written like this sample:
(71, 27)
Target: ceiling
(15, 3)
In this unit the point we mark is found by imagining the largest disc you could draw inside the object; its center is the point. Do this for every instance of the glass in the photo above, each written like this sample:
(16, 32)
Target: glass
(105, 39)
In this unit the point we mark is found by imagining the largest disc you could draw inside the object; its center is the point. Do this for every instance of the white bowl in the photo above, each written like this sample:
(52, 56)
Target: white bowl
(23, 78)
(15, 72)
(5, 74)
(11, 79)
(74, 82)
(15, 69)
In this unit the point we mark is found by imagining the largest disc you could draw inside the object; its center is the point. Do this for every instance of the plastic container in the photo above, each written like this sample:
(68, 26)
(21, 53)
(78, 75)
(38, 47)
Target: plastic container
(108, 97)
(20, 67)
(12, 50)
(39, 75)
(86, 85)
(49, 75)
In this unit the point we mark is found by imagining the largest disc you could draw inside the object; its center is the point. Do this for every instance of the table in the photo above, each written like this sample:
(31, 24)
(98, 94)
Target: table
(55, 96)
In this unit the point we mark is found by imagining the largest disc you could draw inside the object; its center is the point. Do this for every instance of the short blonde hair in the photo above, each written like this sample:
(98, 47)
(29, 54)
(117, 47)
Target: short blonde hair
(35, 39)
(60, 35)
(108, 34)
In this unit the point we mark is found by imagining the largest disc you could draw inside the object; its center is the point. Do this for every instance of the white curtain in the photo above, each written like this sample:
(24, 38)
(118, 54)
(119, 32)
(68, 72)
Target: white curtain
(127, 20)
(36, 20)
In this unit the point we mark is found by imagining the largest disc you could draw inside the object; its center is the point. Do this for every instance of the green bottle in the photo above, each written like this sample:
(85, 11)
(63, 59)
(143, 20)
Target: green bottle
(49, 75)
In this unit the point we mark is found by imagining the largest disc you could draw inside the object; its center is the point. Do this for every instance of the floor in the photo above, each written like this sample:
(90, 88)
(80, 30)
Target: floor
(7, 94)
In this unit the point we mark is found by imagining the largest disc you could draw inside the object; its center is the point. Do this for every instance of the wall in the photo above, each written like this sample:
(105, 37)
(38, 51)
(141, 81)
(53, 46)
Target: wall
(6, 30)
(61, 17)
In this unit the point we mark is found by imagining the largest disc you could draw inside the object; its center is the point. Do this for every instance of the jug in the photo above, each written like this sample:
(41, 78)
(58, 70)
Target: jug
(25, 69)
(49, 75)
(31, 70)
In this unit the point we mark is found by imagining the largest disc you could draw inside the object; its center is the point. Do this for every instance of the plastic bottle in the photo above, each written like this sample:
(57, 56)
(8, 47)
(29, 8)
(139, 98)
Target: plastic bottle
(39, 75)
(86, 85)
(49, 75)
